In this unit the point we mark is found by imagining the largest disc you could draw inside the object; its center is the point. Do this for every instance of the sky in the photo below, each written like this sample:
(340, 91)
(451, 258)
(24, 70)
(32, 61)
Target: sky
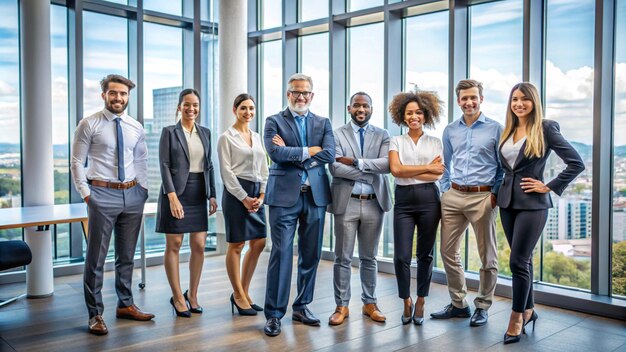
(495, 60)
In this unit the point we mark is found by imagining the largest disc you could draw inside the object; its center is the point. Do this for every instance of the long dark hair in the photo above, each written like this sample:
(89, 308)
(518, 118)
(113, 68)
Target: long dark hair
(241, 98)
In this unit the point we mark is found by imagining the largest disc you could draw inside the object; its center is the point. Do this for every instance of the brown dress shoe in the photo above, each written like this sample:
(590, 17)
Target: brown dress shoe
(340, 314)
(97, 326)
(372, 311)
(133, 313)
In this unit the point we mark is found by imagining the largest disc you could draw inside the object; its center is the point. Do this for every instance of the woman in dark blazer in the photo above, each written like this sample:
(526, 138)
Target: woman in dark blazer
(523, 198)
(188, 182)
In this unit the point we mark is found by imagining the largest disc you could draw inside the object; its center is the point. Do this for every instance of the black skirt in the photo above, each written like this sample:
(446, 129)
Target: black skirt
(194, 204)
(240, 225)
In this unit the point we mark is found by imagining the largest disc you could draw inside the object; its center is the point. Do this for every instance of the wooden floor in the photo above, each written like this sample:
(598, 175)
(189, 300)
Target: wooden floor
(59, 323)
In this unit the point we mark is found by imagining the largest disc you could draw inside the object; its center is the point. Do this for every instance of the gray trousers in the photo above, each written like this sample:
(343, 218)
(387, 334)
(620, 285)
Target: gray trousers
(108, 210)
(363, 219)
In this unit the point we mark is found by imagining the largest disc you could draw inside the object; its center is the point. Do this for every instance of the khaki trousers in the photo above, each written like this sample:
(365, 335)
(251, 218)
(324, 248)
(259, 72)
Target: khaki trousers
(457, 210)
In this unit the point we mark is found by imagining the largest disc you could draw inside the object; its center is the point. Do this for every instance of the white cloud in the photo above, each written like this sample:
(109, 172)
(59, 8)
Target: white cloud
(7, 90)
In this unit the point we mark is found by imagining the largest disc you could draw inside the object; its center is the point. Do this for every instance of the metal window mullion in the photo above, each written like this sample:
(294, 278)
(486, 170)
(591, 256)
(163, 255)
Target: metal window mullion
(603, 82)
(393, 63)
(458, 57)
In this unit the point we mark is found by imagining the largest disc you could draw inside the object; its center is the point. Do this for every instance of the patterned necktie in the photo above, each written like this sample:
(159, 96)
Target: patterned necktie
(120, 150)
(361, 137)
(302, 127)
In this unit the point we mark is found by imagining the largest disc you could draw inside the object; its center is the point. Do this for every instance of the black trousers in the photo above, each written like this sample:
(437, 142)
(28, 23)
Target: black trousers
(522, 229)
(415, 206)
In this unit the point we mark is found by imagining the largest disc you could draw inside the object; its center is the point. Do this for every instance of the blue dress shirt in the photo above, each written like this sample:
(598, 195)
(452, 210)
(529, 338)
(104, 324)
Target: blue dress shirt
(470, 154)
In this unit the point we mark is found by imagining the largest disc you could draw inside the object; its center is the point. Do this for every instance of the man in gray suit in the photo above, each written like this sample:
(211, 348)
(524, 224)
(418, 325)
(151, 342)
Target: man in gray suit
(361, 196)
(115, 188)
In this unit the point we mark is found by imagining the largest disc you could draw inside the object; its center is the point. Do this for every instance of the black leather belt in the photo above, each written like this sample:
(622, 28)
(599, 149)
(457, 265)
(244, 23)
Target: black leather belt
(305, 188)
(363, 196)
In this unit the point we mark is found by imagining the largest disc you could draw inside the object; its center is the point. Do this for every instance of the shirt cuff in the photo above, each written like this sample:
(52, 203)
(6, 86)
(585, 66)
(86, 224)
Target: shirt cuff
(305, 153)
(359, 164)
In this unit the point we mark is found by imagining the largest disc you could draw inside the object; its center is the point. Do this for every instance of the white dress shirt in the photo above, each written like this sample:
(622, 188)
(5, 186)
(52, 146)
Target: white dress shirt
(360, 187)
(96, 138)
(196, 149)
(422, 153)
(510, 150)
(238, 159)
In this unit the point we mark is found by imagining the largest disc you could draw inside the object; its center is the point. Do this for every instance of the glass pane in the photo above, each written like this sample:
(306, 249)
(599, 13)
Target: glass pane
(366, 67)
(428, 72)
(163, 79)
(569, 100)
(10, 168)
(314, 62)
(170, 7)
(105, 51)
(272, 82)
(312, 10)
(619, 152)
(272, 14)
(496, 28)
(60, 117)
(123, 2)
(354, 5)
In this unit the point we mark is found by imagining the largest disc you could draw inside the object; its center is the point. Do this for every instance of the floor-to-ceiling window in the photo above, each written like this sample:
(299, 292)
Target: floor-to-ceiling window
(272, 82)
(569, 101)
(619, 155)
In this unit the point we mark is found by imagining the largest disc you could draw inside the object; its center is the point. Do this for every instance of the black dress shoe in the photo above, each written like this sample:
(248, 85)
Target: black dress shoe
(272, 327)
(305, 316)
(451, 311)
(479, 318)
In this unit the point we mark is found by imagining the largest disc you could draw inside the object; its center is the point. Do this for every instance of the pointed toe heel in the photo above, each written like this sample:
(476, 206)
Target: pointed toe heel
(241, 311)
(182, 314)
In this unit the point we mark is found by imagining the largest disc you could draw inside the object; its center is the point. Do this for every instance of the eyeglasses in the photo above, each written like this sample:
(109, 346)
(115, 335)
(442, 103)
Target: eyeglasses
(297, 94)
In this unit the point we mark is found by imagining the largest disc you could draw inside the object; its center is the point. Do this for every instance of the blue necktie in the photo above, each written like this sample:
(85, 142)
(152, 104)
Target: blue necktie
(120, 150)
(361, 137)
(302, 127)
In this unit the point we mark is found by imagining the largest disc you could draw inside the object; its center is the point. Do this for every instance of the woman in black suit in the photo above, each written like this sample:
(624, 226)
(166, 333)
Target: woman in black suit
(523, 198)
(187, 176)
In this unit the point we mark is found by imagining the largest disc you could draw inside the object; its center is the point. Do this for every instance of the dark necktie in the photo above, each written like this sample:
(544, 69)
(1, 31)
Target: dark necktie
(361, 137)
(120, 150)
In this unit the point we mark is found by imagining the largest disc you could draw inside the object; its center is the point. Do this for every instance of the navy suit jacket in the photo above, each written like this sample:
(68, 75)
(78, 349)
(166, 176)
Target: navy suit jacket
(174, 160)
(285, 174)
(511, 195)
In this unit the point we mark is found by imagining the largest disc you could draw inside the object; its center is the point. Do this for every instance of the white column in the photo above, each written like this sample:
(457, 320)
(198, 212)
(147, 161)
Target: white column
(36, 119)
(233, 57)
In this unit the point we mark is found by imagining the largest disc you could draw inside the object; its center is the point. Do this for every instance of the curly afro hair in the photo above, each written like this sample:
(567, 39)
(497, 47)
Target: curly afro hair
(428, 102)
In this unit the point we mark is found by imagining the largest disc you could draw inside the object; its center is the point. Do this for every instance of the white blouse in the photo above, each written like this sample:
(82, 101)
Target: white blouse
(196, 150)
(238, 159)
(511, 150)
(422, 153)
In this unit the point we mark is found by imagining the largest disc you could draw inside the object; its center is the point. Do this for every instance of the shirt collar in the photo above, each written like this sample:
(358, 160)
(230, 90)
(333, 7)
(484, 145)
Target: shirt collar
(355, 127)
(295, 114)
(481, 119)
(111, 116)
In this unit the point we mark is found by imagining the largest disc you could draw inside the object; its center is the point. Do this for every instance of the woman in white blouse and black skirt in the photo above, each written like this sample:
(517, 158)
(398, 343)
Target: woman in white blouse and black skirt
(243, 166)
(416, 163)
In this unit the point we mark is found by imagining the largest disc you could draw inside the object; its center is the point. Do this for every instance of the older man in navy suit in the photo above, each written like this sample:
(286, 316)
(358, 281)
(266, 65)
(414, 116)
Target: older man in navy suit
(300, 145)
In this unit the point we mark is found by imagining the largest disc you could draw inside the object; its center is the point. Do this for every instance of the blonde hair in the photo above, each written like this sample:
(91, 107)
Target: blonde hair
(535, 144)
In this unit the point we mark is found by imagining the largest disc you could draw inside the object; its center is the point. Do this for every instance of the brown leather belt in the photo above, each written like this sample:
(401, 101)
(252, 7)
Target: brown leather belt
(114, 185)
(363, 196)
(471, 189)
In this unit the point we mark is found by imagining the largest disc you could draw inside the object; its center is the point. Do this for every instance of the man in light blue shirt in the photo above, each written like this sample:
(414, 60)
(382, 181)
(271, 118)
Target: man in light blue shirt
(470, 182)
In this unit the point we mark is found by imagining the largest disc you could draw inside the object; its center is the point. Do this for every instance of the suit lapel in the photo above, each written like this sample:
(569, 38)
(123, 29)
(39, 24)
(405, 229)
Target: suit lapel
(369, 141)
(310, 127)
(520, 157)
(178, 130)
(291, 122)
(205, 142)
(349, 134)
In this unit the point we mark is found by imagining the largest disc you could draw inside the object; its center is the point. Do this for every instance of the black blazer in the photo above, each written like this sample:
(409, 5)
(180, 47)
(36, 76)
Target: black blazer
(174, 160)
(511, 195)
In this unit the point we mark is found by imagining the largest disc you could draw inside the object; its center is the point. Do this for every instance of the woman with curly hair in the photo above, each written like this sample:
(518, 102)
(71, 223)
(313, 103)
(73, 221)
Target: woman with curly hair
(416, 163)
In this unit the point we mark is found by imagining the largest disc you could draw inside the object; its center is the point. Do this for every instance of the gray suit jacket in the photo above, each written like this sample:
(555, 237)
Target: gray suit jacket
(174, 160)
(376, 165)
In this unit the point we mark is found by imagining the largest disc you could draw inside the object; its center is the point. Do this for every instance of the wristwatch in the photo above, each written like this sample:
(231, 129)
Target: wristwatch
(355, 162)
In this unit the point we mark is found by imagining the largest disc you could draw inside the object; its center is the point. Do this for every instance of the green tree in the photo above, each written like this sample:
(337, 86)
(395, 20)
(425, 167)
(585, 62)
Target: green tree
(9, 186)
(619, 268)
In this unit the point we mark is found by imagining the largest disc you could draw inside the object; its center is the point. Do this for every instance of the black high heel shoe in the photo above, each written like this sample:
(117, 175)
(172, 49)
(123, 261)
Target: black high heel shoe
(416, 319)
(184, 314)
(256, 307)
(533, 318)
(241, 311)
(406, 320)
(514, 338)
(198, 310)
